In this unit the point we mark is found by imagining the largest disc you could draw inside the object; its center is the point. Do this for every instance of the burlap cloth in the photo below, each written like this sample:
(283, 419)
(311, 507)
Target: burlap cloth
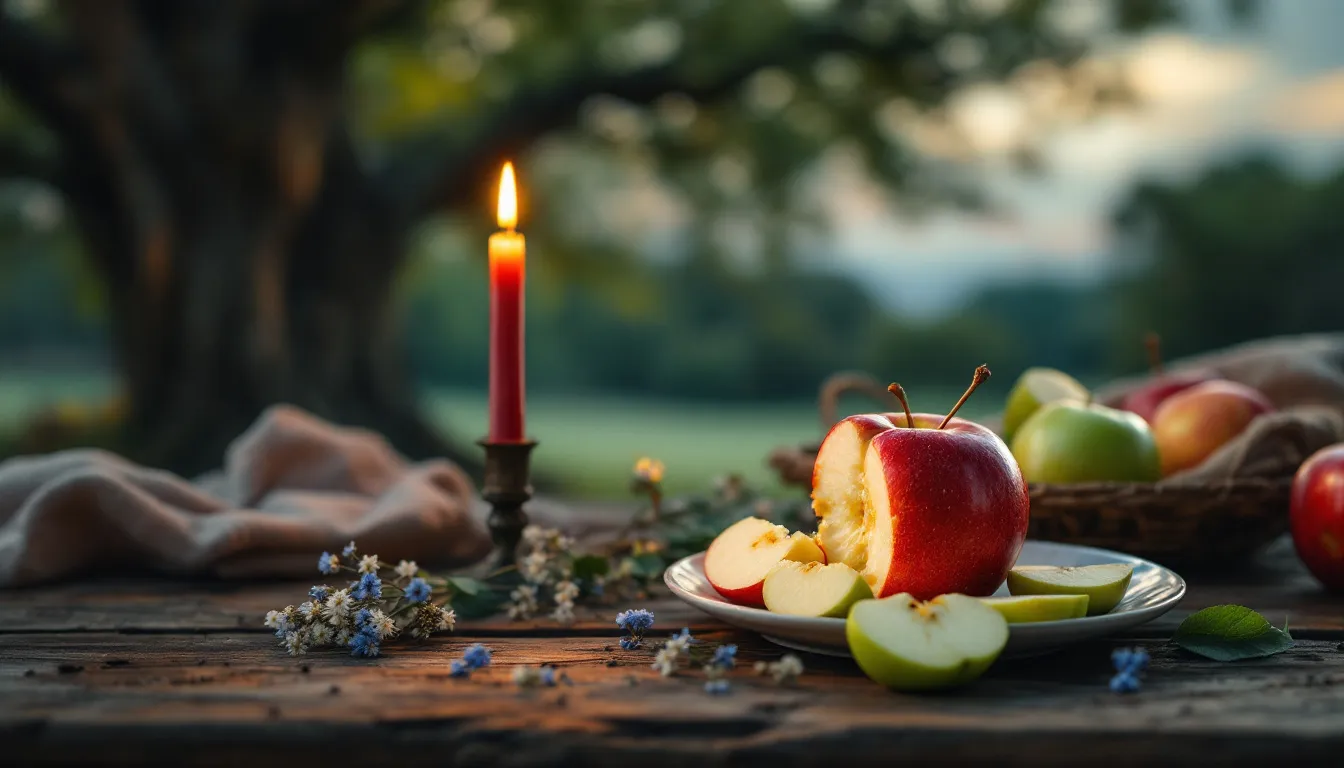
(291, 487)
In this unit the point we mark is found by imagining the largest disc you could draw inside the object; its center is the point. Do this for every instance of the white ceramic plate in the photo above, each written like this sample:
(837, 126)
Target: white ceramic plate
(1153, 591)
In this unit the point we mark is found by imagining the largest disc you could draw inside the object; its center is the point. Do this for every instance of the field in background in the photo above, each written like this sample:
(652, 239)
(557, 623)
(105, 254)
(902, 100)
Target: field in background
(588, 442)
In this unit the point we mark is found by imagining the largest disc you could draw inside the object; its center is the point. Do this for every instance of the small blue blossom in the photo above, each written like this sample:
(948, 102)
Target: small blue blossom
(364, 644)
(636, 621)
(328, 563)
(548, 676)
(417, 591)
(476, 656)
(629, 643)
(684, 634)
(362, 618)
(458, 668)
(716, 687)
(1125, 682)
(1130, 659)
(369, 587)
(349, 549)
(319, 594)
(725, 657)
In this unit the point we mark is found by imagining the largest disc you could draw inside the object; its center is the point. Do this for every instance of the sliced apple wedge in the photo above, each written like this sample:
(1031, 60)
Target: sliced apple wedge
(1103, 584)
(909, 645)
(740, 557)
(1032, 608)
(813, 589)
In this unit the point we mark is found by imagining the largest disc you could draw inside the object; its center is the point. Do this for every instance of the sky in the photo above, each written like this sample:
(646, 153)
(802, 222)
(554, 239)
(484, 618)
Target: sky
(1209, 89)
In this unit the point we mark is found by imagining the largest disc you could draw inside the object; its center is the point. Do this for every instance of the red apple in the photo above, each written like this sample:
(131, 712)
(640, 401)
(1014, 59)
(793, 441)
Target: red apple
(1317, 515)
(920, 503)
(1190, 425)
(739, 558)
(1145, 400)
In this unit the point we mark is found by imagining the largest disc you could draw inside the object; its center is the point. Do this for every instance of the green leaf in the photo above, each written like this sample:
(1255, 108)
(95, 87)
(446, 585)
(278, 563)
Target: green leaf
(1231, 633)
(478, 605)
(647, 565)
(588, 566)
(467, 586)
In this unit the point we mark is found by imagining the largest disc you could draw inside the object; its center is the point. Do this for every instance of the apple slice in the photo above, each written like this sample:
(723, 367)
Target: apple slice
(1034, 388)
(1031, 608)
(1103, 584)
(813, 589)
(740, 557)
(909, 645)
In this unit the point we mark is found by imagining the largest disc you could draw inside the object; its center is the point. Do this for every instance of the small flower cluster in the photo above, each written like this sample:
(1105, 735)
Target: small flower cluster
(547, 570)
(635, 623)
(533, 677)
(373, 608)
(677, 648)
(716, 671)
(788, 669)
(1129, 664)
(475, 657)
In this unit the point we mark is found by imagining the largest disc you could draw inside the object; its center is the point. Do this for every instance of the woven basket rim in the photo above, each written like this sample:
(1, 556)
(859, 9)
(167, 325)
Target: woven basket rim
(1167, 486)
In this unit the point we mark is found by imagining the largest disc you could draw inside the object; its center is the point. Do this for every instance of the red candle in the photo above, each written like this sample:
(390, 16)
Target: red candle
(508, 268)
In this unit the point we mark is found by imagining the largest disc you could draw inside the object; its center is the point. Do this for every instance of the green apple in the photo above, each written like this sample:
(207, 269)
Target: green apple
(814, 589)
(909, 645)
(1034, 388)
(1030, 608)
(1103, 584)
(1072, 442)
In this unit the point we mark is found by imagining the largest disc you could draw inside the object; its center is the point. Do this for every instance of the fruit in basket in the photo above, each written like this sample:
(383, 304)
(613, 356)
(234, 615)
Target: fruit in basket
(1073, 442)
(909, 645)
(813, 589)
(920, 503)
(1145, 399)
(1026, 609)
(1191, 425)
(1034, 388)
(1104, 584)
(1317, 515)
(739, 558)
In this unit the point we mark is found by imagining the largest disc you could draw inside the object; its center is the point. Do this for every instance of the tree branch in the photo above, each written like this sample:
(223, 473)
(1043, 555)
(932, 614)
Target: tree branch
(529, 114)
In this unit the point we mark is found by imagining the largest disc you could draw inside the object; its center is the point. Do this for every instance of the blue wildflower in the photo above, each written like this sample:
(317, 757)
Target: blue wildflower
(716, 687)
(349, 550)
(319, 594)
(548, 676)
(684, 634)
(1128, 662)
(418, 590)
(369, 587)
(1125, 682)
(636, 621)
(629, 643)
(476, 656)
(725, 657)
(364, 644)
(328, 563)
(458, 668)
(362, 618)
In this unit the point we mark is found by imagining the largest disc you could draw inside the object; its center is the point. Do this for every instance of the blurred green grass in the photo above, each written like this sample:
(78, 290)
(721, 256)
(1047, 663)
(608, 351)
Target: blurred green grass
(588, 442)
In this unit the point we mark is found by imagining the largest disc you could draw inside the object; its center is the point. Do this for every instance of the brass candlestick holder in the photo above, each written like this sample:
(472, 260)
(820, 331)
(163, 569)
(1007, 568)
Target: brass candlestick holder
(507, 487)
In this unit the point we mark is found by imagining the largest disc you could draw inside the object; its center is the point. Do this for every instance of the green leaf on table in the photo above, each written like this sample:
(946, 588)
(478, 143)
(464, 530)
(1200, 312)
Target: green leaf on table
(587, 566)
(1230, 633)
(478, 605)
(647, 566)
(465, 585)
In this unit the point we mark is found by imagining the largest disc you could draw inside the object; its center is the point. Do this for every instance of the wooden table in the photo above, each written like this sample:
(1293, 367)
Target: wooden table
(185, 674)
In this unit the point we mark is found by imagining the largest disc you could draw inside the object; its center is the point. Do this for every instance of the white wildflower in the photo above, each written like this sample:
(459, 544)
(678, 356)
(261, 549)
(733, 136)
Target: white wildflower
(526, 677)
(563, 543)
(338, 607)
(407, 569)
(535, 567)
(344, 636)
(294, 644)
(760, 667)
(679, 644)
(447, 619)
(534, 535)
(369, 564)
(566, 591)
(310, 610)
(319, 634)
(274, 619)
(382, 624)
(665, 661)
(787, 669)
(563, 613)
(523, 602)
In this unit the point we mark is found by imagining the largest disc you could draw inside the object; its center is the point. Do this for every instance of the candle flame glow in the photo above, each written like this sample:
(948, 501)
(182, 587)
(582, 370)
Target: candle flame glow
(508, 199)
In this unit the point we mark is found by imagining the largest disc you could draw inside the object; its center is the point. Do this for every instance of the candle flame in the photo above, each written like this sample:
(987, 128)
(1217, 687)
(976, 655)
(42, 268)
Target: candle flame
(508, 199)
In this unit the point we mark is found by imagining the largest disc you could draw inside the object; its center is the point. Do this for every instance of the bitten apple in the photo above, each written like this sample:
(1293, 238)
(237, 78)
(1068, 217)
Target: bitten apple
(813, 589)
(919, 503)
(1190, 425)
(1317, 515)
(739, 558)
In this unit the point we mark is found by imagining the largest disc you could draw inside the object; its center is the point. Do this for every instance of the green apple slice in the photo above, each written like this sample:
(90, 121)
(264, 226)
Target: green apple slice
(1034, 388)
(1104, 584)
(1031, 608)
(813, 589)
(908, 645)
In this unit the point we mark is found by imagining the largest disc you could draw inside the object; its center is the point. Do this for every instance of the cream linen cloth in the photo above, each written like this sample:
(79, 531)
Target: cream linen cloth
(291, 487)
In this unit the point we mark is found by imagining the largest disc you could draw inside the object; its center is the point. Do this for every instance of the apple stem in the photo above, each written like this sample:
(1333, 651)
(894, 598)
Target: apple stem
(981, 374)
(1153, 343)
(899, 392)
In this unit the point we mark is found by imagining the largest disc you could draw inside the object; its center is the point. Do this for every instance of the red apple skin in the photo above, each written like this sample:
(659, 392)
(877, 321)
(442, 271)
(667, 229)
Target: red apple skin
(959, 506)
(1317, 515)
(1190, 425)
(1145, 400)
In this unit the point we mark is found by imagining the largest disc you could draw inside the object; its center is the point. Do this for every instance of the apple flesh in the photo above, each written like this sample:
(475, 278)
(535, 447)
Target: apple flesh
(909, 645)
(1035, 388)
(1191, 425)
(1072, 442)
(1104, 584)
(1144, 400)
(1316, 513)
(739, 559)
(813, 589)
(1028, 609)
